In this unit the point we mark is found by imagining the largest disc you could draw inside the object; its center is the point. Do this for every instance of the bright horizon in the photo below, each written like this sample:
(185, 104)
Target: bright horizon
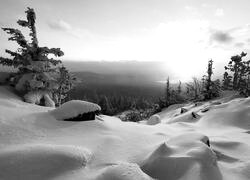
(182, 34)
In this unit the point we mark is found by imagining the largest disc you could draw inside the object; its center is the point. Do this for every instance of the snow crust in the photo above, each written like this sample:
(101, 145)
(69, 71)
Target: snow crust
(35, 145)
(74, 108)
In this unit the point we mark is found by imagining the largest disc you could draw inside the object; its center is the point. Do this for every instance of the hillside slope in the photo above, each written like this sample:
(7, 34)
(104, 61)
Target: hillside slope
(209, 141)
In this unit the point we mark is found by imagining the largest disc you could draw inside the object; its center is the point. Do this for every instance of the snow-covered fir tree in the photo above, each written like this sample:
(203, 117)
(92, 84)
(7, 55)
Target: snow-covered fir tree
(41, 79)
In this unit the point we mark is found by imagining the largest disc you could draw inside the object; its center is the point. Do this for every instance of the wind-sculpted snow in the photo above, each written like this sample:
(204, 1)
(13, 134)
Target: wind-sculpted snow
(123, 171)
(41, 161)
(208, 140)
(176, 161)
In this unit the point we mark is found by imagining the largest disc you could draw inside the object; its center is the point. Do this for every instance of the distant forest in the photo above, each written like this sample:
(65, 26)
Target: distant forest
(116, 93)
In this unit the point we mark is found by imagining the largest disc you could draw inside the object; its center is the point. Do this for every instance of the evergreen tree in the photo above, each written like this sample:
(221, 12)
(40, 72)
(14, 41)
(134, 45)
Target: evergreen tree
(105, 105)
(236, 66)
(167, 93)
(66, 82)
(215, 88)
(211, 88)
(37, 73)
(241, 72)
(194, 89)
(179, 88)
(208, 81)
(227, 80)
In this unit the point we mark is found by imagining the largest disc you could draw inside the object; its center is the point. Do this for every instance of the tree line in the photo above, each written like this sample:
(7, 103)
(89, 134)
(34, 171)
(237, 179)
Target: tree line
(236, 77)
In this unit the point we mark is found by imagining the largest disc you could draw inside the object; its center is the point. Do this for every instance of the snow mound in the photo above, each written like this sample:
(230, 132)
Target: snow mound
(236, 113)
(41, 161)
(182, 160)
(74, 108)
(154, 119)
(123, 171)
(7, 92)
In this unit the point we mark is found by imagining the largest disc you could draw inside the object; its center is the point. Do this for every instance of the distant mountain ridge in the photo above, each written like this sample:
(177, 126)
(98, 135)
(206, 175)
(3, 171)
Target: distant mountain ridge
(153, 71)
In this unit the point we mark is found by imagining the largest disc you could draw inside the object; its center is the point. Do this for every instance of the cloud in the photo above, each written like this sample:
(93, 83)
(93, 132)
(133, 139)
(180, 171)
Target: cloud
(193, 10)
(205, 5)
(189, 8)
(239, 44)
(248, 40)
(220, 36)
(219, 12)
(60, 25)
(65, 27)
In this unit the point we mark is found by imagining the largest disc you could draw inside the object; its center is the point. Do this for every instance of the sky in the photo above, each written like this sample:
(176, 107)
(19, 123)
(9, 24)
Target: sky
(183, 34)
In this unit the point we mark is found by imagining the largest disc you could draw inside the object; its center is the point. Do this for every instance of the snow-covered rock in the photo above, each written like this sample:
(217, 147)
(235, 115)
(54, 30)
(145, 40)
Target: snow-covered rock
(154, 119)
(74, 108)
(183, 110)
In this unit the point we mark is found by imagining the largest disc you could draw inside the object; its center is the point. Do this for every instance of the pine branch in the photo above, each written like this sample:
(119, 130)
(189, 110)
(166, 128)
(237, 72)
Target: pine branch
(16, 36)
(17, 60)
(23, 23)
(54, 61)
(6, 61)
(55, 51)
(15, 54)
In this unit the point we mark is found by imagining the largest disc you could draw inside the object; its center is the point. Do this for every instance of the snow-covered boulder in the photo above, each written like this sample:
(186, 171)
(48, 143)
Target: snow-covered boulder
(183, 110)
(195, 115)
(154, 119)
(76, 110)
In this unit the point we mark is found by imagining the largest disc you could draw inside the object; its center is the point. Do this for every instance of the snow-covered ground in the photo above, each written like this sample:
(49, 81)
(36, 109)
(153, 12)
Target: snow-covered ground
(36, 146)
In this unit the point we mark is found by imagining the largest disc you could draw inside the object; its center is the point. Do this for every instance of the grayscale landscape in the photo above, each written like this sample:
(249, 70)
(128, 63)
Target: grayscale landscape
(124, 90)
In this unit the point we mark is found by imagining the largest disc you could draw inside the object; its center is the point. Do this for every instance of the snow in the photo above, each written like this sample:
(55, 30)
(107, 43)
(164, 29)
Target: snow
(20, 86)
(154, 119)
(33, 97)
(74, 108)
(35, 145)
(48, 101)
(123, 171)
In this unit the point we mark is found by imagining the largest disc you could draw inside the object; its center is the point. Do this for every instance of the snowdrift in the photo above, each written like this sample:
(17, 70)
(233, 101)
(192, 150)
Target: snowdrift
(206, 141)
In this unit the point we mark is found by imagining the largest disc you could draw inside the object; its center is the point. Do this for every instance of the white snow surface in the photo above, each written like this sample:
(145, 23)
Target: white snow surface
(35, 145)
(154, 119)
(74, 108)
